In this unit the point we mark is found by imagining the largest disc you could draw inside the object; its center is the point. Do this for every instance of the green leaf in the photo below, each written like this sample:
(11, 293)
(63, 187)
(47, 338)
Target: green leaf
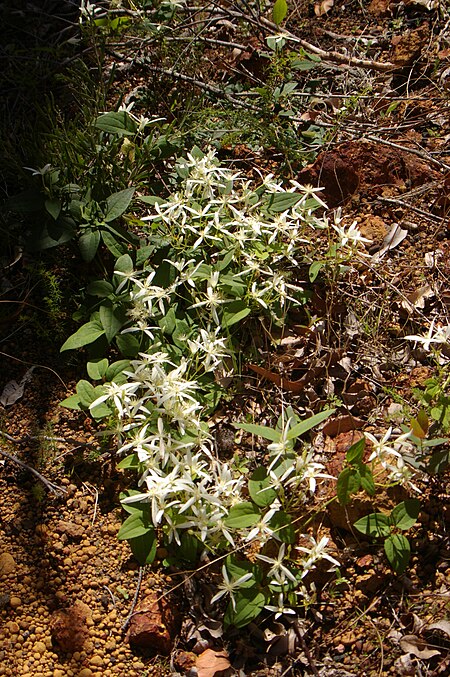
(239, 567)
(118, 203)
(115, 369)
(348, 483)
(144, 547)
(130, 462)
(405, 514)
(96, 369)
(116, 247)
(279, 11)
(116, 122)
(100, 288)
(281, 523)
(259, 488)
(366, 477)
(128, 345)
(86, 334)
(86, 392)
(249, 604)
(398, 552)
(281, 202)
(124, 264)
(242, 515)
(234, 312)
(314, 269)
(355, 453)
(260, 430)
(376, 525)
(169, 321)
(88, 244)
(72, 402)
(135, 525)
(112, 320)
(53, 207)
(310, 422)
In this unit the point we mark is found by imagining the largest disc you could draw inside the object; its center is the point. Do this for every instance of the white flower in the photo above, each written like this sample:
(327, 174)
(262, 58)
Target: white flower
(262, 531)
(212, 348)
(280, 609)
(315, 553)
(41, 171)
(441, 335)
(381, 447)
(349, 235)
(308, 192)
(229, 586)
(278, 570)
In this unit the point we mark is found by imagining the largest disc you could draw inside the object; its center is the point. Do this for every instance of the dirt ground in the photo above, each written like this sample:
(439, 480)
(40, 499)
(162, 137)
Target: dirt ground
(68, 586)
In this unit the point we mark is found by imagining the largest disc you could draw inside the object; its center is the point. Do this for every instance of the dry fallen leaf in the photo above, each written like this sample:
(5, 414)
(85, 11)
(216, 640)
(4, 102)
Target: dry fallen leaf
(443, 625)
(13, 391)
(321, 8)
(395, 236)
(211, 663)
(417, 647)
(416, 299)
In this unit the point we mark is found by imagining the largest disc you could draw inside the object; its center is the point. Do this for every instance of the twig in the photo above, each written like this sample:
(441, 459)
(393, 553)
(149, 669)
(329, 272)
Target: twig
(111, 595)
(198, 83)
(420, 153)
(403, 203)
(40, 366)
(306, 651)
(135, 599)
(49, 438)
(336, 57)
(50, 485)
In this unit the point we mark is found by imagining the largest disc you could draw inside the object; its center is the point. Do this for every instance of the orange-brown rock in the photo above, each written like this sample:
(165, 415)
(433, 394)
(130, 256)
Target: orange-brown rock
(69, 629)
(155, 625)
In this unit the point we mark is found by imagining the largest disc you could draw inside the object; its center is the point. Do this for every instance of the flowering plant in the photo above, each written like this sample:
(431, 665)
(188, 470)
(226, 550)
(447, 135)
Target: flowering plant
(218, 255)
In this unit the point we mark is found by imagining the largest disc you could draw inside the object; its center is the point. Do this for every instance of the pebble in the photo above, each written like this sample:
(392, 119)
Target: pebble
(58, 673)
(96, 661)
(15, 602)
(85, 672)
(7, 564)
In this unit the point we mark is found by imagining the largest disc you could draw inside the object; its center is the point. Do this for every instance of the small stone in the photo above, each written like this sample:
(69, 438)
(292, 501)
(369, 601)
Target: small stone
(156, 626)
(15, 602)
(85, 672)
(13, 627)
(7, 564)
(58, 673)
(40, 647)
(96, 661)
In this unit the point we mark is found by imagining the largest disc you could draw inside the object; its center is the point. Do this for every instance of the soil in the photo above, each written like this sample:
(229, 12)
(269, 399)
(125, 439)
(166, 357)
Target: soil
(68, 585)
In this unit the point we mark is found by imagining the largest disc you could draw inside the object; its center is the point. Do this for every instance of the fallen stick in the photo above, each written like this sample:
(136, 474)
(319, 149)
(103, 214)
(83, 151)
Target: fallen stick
(50, 485)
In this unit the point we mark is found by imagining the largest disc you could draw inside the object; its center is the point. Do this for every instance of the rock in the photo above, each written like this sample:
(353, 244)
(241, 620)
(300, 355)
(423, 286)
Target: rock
(15, 602)
(408, 46)
(380, 8)
(72, 530)
(69, 628)
(7, 564)
(157, 625)
(367, 168)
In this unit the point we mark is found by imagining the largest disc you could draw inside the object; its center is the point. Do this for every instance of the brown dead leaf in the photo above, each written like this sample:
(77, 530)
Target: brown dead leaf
(323, 7)
(442, 625)
(418, 647)
(341, 424)
(212, 663)
(416, 299)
